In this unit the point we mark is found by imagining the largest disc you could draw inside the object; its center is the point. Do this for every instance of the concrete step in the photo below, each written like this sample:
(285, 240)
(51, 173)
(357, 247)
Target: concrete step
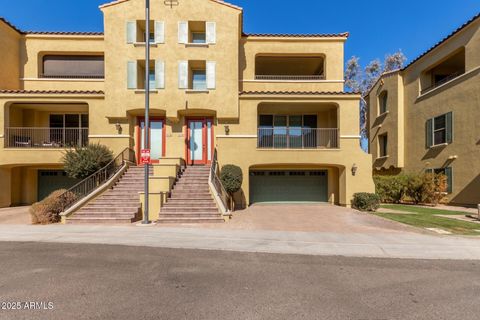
(100, 220)
(188, 210)
(190, 220)
(190, 215)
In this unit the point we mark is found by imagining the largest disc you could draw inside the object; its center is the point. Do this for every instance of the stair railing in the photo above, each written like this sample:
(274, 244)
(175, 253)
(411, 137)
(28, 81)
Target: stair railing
(85, 187)
(222, 194)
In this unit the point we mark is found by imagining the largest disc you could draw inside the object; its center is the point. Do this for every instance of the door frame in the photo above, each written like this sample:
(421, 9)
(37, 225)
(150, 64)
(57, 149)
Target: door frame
(204, 121)
(138, 135)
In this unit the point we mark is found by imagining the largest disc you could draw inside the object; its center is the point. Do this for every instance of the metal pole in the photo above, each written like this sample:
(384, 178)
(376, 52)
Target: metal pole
(147, 108)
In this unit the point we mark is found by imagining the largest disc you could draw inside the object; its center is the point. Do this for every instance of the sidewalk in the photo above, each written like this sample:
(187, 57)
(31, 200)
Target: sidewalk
(380, 245)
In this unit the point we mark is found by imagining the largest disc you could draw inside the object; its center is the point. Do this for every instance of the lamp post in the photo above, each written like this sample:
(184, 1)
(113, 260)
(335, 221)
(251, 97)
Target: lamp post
(146, 142)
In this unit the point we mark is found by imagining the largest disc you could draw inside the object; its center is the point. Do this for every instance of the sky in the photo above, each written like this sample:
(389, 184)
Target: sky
(377, 27)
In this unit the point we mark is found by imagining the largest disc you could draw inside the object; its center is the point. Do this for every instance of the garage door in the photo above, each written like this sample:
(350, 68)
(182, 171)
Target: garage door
(51, 180)
(288, 186)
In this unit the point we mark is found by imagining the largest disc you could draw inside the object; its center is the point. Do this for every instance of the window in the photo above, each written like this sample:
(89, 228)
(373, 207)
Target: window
(287, 131)
(151, 77)
(383, 145)
(68, 120)
(448, 172)
(199, 80)
(199, 37)
(136, 32)
(197, 32)
(439, 130)
(382, 101)
(136, 75)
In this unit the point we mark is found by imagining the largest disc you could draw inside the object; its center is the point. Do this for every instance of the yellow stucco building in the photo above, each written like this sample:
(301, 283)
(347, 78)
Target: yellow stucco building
(425, 116)
(272, 104)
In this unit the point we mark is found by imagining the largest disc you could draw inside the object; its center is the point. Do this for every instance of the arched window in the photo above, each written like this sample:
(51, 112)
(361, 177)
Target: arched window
(382, 100)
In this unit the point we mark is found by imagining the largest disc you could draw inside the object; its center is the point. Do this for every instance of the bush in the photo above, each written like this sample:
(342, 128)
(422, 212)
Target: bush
(48, 210)
(231, 177)
(366, 201)
(391, 189)
(80, 163)
(425, 188)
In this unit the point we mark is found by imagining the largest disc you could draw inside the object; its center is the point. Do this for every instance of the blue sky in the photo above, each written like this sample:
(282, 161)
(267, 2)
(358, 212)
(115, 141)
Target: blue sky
(378, 28)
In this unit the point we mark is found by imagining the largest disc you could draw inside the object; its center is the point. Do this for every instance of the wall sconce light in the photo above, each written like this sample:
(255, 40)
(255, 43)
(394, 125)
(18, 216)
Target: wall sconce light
(118, 126)
(227, 130)
(354, 169)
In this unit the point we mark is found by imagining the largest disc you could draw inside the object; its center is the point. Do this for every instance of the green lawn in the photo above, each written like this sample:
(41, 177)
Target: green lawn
(425, 218)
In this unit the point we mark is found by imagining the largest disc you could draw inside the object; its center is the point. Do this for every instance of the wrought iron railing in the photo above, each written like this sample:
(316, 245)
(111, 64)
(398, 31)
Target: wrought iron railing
(46, 137)
(443, 81)
(96, 180)
(217, 183)
(289, 77)
(80, 76)
(297, 138)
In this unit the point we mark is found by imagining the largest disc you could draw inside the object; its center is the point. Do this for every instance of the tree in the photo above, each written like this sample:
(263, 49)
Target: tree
(361, 81)
(80, 163)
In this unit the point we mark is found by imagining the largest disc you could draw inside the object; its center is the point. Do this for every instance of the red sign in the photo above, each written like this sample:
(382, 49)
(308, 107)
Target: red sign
(145, 156)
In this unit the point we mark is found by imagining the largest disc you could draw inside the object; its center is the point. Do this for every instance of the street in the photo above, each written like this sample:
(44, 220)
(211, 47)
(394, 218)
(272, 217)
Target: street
(93, 281)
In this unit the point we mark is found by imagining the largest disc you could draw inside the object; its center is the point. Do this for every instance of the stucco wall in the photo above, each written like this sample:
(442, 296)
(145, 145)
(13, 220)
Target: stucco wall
(10, 61)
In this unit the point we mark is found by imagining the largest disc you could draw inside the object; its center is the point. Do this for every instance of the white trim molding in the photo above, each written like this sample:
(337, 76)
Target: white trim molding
(63, 79)
(109, 136)
(237, 136)
(350, 137)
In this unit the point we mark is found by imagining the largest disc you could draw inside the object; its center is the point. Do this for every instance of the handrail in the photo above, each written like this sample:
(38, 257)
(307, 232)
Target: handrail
(443, 81)
(289, 77)
(97, 179)
(217, 183)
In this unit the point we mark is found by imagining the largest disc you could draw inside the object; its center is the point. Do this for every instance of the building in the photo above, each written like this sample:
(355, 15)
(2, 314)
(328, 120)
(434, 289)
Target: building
(273, 104)
(425, 116)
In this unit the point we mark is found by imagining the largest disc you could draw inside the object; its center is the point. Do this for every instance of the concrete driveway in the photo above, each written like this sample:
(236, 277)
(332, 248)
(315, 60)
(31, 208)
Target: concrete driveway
(15, 215)
(308, 218)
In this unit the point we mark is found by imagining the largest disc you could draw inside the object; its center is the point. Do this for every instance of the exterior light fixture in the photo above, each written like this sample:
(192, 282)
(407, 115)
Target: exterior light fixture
(118, 126)
(227, 130)
(354, 169)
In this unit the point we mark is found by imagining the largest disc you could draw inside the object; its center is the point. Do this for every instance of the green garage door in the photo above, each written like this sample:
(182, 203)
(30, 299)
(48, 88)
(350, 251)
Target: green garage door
(288, 186)
(52, 180)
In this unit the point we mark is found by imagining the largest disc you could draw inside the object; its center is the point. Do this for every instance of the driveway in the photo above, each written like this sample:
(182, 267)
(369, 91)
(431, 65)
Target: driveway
(308, 218)
(15, 215)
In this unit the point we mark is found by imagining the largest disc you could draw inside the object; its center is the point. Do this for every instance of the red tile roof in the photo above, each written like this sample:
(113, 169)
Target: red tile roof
(306, 35)
(50, 92)
(297, 93)
(217, 1)
(477, 16)
(65, 33)
(10, 25)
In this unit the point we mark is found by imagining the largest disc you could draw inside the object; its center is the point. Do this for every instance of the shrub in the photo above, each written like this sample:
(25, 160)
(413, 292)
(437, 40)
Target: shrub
(391, 189)
(79, 163)
(48, 210)
(231, 177)
(427, 188)
(366, 201)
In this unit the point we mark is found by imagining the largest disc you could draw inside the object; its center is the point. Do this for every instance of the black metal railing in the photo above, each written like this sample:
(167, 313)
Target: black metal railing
(78, 76)
(443, 81)
(217, 183)
(297, 138)
(96, 180)
(46, 138)
(289, 77)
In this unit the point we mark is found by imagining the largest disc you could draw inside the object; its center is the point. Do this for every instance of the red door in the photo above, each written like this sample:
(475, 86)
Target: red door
(156, 137)
(199, 141)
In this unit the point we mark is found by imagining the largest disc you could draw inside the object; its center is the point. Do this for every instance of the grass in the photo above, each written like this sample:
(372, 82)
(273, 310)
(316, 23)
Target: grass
(425, 218)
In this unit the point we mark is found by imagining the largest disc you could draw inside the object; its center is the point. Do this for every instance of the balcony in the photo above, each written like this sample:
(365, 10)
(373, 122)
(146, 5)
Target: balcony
(289, 68)
(298, 138)
(45, 138)
(73, 67)
(443, 72)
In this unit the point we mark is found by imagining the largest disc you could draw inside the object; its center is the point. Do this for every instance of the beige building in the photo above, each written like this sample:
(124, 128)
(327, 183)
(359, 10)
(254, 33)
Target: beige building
(425, 116)
(274, 105)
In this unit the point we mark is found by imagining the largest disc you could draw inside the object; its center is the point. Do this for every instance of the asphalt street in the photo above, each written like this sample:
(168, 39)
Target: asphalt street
(92, 281)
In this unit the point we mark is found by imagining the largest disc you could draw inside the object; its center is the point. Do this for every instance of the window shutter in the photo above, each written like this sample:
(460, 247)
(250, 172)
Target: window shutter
(183, 32)
(449, 128)
(449, 174)
(211, 35)
(132, 75)
(429, 133)
(159, 32)
(159, 74)
(131, 32)
(183, 75)
(211, 74)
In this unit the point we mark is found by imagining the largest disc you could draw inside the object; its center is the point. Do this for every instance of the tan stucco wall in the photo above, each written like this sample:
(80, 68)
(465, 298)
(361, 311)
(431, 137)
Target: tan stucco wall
(460, 96)
(10, 61)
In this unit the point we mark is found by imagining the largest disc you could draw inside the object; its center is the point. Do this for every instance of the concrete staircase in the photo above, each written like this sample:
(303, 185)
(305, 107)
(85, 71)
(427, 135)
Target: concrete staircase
(121, 204)
(190, 200)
